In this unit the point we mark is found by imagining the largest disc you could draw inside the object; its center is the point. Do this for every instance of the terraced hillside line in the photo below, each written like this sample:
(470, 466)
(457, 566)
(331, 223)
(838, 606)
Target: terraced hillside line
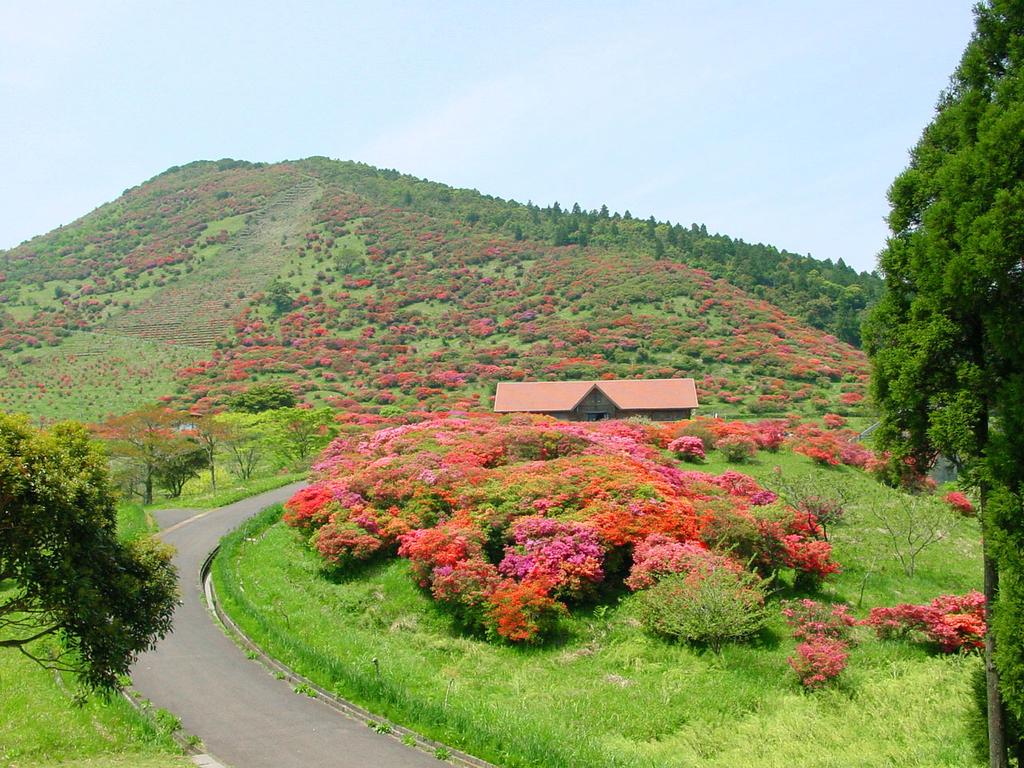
(199, 307)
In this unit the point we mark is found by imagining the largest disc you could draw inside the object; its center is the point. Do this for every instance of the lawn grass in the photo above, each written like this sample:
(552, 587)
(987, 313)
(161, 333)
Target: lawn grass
(133, 521)
(42, 725)
(605, 693)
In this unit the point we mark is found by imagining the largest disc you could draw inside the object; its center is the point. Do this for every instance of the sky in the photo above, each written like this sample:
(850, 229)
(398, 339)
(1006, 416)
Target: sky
(780, 122)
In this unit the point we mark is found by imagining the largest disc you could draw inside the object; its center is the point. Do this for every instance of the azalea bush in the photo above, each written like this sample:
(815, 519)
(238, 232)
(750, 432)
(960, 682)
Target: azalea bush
(688, 448)
(960, 503)
(819, 660)
(737, 448)
(952, 622)
(824, 632)
(508, 522)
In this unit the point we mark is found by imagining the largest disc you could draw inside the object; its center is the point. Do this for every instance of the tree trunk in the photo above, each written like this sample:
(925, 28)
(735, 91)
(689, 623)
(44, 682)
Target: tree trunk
(997, 754)
(147, 499)
(213, 472)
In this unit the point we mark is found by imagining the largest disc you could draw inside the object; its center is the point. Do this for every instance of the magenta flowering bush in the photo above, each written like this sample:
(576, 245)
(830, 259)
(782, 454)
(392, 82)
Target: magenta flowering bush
(567, 555)
(688, 448)
(819, 661)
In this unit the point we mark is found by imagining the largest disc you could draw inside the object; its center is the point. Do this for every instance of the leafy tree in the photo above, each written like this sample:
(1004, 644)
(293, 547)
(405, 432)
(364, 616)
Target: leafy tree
(279, 296)
(947, 339)
(263, 397)
(244, 440)
(178, 469)
(149, 440)
(66, 575)
(210, 433)
(297, 433)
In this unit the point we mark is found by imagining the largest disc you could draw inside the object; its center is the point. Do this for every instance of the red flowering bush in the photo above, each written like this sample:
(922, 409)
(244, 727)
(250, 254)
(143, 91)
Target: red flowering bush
(772, 540)
(819, 660)
(310, 507)
(809, 619)
(465, 588)
(953, 622)
(340, 543)
(770, 435)
(431, 548)
(688, 448)
(831, 447)
(659, 555)
(834, 421)
(522, 611)
(960, 503)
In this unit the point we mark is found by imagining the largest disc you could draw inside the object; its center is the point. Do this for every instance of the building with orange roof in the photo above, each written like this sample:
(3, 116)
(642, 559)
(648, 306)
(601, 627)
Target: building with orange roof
(656, 399)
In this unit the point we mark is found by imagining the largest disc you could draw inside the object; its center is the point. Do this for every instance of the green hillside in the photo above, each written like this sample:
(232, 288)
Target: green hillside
(363, 287)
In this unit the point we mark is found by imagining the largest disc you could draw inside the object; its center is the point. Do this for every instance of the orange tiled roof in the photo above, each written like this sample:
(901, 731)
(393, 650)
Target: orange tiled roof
(627, 394)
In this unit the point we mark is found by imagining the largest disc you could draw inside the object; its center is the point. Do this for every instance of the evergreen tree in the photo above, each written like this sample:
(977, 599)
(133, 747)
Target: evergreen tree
(947, 339)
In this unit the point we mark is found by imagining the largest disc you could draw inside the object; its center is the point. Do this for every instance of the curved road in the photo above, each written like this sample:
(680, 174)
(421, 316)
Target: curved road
(245, 717)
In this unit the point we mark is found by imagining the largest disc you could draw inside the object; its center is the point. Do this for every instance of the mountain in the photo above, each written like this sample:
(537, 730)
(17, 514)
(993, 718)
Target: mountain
(363, 287)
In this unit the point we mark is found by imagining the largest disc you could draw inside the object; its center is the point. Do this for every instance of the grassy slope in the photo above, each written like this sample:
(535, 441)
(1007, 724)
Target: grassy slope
(41, 725)
(605, 693)
(90, 376)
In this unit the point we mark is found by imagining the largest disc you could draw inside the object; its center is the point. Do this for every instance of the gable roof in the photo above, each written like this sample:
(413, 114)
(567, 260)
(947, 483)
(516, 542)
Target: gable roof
(626, 394)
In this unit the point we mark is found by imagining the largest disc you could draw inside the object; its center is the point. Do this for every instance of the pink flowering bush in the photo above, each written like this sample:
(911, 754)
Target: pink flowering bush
(568, 556)
(659, 555)
(952, 622)
(688, 448)
(825, 634)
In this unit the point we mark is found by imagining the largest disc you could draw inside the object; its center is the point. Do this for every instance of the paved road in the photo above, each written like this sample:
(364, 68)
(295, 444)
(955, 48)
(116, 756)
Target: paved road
(245, 717)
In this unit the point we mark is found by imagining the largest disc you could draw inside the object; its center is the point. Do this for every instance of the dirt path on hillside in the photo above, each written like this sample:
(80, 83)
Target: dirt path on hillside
(199, 306)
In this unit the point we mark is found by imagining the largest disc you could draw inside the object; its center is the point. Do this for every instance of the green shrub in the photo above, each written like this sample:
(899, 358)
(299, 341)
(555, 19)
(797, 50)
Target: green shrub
(737, 448)
(706, 608)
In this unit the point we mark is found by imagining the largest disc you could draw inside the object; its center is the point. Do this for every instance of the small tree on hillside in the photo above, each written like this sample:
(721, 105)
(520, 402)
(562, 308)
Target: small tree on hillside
(245, 442)
(911, 525)
(148, 440)
(177, 470)
(263, 397)
(210, 433)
